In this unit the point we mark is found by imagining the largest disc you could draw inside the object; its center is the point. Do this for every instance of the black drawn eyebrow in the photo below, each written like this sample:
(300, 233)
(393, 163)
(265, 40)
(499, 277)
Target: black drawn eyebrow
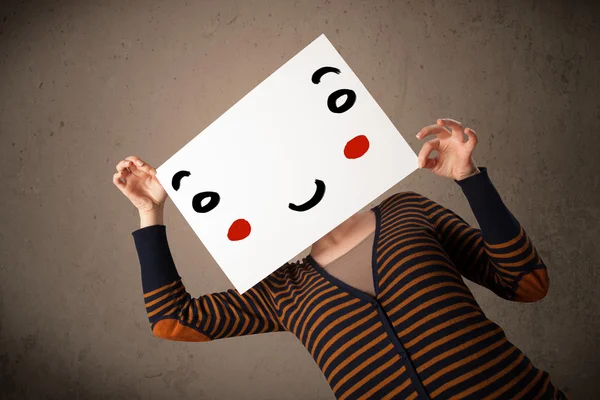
(176, 181)
(318, 74)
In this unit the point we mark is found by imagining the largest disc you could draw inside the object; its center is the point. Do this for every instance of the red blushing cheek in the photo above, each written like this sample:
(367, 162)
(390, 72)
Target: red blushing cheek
(240, 229)
(356, 147)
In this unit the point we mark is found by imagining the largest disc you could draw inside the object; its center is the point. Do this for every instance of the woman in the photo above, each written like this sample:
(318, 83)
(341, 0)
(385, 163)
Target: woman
(380, 302)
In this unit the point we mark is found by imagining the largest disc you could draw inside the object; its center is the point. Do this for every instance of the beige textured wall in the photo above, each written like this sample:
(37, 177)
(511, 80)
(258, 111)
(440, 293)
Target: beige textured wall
(86, 83)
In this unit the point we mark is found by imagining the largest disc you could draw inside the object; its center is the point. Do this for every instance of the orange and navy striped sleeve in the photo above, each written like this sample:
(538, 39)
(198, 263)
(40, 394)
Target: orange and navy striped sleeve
(175, 315)
(500, 256)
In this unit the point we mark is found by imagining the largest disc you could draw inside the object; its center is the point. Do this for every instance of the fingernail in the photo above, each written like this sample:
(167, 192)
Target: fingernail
(140, 163)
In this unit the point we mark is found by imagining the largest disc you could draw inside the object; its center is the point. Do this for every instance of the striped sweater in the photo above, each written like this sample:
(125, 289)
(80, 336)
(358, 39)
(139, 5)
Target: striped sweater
(423, 337)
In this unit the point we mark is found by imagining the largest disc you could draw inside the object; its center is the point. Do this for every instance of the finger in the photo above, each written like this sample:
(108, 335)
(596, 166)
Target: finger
(472, 142)
(142, 165)
(123, 165)
(147, 168)
(117, 180)
(426, 150)
(134, 169)
(433, 130)
(134, 159)
(131, 162)
(455, 126)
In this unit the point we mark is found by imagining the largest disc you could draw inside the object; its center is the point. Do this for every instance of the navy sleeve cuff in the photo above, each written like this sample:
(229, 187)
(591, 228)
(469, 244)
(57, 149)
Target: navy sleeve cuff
(156, 262)
(496, 222)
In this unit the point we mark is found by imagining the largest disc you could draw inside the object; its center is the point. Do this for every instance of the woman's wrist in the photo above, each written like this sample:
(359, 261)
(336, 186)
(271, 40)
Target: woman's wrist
(153, 217)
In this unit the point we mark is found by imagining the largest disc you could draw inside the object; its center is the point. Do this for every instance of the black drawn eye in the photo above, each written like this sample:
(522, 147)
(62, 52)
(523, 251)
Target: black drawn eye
(335, 96)
(176, 181)
(200, 197)
(346, 105)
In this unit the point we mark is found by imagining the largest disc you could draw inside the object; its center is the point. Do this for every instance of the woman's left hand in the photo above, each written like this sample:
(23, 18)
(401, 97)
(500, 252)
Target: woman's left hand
(454, 154)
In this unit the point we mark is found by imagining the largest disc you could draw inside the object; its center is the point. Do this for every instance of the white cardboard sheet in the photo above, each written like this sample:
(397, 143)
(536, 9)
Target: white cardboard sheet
(292, 140)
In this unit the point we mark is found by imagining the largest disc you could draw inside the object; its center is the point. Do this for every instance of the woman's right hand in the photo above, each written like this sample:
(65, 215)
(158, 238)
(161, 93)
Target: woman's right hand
(140, 184)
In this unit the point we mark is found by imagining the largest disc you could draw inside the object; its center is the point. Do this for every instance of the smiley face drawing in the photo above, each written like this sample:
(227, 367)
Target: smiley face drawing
(300, 153)
(355, 148)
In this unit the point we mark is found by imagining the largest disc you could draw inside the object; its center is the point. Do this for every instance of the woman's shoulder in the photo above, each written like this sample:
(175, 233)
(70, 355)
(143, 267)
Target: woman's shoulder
(285, 272)
(396, 198)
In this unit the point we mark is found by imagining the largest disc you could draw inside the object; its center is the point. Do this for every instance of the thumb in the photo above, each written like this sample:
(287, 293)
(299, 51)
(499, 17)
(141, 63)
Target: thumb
(472, 142)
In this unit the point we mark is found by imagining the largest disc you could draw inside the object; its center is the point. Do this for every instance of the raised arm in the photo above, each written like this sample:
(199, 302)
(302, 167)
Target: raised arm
(175, 315)
(500, 256)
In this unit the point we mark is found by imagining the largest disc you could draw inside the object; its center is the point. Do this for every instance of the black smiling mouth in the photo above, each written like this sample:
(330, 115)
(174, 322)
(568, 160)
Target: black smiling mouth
(319, 193)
